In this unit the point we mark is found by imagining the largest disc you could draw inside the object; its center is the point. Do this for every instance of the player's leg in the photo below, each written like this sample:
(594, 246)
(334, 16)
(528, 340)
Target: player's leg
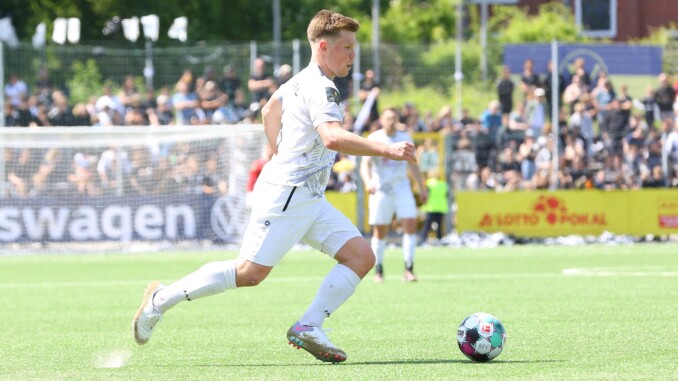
(335, 235)
(269, 235)
(378, 245)
(438, 219)
(406, 212)
(428, 223)
(409, 245)
(381, 210)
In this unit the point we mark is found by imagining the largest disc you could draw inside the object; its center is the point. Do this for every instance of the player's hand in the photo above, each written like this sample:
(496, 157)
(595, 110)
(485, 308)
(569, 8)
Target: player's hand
(371, 189)
(423, 196)
(402, 151)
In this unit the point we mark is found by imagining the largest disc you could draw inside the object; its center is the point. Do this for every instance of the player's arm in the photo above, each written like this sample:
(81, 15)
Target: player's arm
(365, 173)
(416, 172)
(337, 139)
(271, 114)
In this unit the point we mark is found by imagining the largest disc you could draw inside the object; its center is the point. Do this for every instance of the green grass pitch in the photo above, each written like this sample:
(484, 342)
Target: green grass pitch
(571, 313)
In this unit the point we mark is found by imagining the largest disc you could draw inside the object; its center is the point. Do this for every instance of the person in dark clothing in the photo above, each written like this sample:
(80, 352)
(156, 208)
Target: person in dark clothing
(505, 88)
(664, 96)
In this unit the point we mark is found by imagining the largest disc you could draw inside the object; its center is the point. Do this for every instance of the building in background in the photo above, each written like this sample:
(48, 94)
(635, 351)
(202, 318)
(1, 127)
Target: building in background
(620, 20)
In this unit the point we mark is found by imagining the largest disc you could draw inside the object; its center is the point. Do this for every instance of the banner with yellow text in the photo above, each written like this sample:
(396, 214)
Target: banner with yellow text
(548, 214)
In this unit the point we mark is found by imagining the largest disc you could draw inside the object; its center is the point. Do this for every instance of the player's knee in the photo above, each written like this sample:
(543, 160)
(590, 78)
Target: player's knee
(368, 259)
(249, 274)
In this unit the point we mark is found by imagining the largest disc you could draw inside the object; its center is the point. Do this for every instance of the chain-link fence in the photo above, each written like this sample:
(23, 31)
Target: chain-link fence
(419, 65)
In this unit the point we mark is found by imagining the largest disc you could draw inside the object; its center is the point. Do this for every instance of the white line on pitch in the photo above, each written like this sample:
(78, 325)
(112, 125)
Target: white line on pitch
(432, 277)
(602, 272)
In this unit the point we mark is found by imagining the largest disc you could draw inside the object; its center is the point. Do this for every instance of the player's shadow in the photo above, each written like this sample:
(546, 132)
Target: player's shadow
(448, 361)
(392, 362)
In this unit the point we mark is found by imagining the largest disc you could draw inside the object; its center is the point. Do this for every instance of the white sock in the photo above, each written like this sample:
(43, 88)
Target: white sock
(212, 278)
(379, 247)
(409, 243)
(337, 287)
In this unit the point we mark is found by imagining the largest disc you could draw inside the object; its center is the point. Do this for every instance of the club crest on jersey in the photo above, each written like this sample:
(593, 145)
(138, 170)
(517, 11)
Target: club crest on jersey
(333, 95)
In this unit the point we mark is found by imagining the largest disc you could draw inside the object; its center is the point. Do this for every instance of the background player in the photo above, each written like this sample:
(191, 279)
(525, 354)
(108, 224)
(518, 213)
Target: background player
(391, 194)
(303, 121)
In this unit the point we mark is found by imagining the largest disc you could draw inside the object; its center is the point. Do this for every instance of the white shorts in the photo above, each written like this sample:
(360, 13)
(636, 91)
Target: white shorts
(397, 201)
(283, 216)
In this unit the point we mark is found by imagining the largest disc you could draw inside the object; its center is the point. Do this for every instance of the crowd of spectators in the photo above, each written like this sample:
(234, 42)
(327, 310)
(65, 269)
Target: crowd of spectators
(607, 138)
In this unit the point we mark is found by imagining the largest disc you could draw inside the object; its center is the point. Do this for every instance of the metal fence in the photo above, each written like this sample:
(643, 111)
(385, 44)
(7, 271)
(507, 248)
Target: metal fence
(399, 64)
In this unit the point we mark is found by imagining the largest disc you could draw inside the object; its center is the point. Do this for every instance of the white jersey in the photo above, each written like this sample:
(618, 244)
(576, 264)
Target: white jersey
(308, 100)
(388, 174)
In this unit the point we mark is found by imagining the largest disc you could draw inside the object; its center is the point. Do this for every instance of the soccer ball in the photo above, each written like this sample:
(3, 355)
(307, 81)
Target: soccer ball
(481, 337)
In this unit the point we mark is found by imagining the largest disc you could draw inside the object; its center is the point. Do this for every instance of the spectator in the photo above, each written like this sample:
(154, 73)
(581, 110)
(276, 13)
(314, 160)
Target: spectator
(107, 166)
(649, 105)
(230, 83)
(529, 78)
(427, 155)
(436, 206)
(211, 99)
(572, 92)
(15, 90)
(527, 152)
(260, 82)
(582, 120)
(107, 103)
(20, 172)
(233, 111)
(410, 118)
(23, 115)
(491, 121)
(60, 114)
(445, 122)
(129, 95)
(664, 96)
(625, 102)
(185, 103)
(464, 164)
(656, 178)
(163, 113)
(671, 144)
(579, 69)
(547, 83)
(369, 86)
(505, 91)
(615, 126)
(602, 95)
(83, 175)
(535, 111)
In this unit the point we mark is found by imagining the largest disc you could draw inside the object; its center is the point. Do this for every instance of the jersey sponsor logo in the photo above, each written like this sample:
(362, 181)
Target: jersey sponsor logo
(333, 95)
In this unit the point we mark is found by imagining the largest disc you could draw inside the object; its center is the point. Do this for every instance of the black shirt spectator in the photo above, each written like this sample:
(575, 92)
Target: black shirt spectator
(230, 82)
(505, 88)
(665, 96)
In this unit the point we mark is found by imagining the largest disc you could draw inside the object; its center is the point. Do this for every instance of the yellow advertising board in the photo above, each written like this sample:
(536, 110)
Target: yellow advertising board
(548, 214)
(346, 202)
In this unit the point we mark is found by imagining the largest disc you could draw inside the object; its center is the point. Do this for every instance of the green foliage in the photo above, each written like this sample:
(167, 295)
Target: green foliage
(442, 55)
(429, 99)
(554, 21)
(85, 82)
(418, 21)
(658, 36)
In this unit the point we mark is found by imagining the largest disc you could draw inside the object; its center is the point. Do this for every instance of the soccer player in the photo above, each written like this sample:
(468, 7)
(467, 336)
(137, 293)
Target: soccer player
(391, 194)
(303, 120)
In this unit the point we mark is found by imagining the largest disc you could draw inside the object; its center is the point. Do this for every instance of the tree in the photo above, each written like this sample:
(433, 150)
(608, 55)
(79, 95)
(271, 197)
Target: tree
(515, 25)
